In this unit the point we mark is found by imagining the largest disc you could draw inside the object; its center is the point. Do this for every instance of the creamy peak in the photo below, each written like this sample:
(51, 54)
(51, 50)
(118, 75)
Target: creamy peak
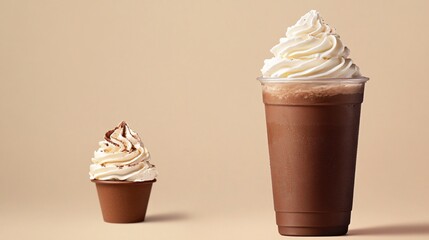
(122, 156)
(311, 49)
(123, 137)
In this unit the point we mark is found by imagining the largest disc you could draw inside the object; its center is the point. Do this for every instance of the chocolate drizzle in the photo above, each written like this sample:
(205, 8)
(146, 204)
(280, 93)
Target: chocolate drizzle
(124, 127)
(108, 134)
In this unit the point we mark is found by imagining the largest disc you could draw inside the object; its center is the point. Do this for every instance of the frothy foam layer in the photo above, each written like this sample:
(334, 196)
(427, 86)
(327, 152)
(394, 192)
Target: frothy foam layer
(308, 91)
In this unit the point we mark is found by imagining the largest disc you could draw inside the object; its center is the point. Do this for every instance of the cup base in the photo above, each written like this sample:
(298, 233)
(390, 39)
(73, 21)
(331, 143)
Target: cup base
(313, 231)
(313, 223)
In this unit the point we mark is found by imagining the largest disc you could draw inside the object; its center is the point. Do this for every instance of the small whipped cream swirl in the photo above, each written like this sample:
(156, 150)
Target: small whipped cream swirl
(122, 156)
(311, 49)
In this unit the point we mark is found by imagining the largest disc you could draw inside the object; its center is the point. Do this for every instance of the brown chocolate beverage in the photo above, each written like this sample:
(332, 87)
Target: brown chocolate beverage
(313, 135)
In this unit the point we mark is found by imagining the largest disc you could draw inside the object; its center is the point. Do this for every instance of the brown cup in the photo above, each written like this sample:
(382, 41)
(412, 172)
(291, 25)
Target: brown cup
(312, 136)
(123, 201)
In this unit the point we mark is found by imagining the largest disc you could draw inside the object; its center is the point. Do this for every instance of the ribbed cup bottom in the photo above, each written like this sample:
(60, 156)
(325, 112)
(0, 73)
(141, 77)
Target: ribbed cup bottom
(313, 223)
(313, 231)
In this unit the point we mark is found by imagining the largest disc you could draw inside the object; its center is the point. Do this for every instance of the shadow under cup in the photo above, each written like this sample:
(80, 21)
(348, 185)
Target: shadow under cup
(313, 128)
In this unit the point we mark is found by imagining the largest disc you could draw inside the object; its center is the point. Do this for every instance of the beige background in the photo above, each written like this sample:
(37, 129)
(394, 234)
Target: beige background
(182, 73)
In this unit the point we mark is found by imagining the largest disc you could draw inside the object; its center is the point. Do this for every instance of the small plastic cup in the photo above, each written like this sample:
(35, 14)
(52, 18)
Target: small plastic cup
(123, 201)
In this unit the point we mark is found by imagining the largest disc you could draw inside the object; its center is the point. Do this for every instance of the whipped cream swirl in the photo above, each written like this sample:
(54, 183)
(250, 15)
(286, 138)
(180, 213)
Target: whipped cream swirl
(311, 49)
(122, 156)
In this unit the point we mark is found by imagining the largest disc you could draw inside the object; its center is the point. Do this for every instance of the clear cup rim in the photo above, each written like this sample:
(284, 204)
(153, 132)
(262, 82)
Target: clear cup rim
(313, 80)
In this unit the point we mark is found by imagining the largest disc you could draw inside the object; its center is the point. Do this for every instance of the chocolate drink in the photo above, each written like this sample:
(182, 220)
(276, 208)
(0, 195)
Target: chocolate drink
(312, 135)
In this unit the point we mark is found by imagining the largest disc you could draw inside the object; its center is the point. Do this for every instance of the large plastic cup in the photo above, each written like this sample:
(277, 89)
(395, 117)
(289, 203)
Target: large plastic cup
(313, 127)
